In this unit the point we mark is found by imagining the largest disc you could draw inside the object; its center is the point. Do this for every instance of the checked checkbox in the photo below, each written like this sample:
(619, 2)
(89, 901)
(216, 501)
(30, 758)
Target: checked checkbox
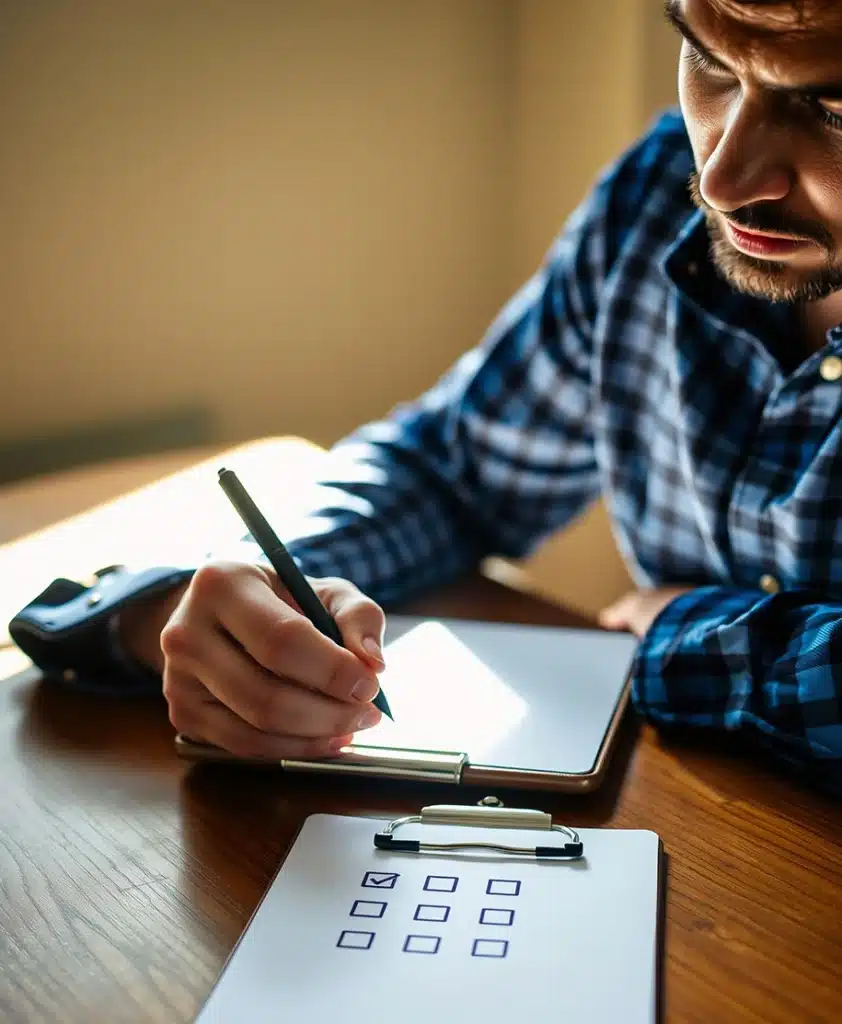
(380, 879)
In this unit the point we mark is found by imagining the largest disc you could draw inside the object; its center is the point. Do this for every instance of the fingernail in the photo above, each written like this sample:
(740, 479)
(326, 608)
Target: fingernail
(367, 718)
(372, 647)
(365, 690)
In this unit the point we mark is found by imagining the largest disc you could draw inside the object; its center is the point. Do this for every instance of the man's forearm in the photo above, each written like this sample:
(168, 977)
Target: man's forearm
(730, 658)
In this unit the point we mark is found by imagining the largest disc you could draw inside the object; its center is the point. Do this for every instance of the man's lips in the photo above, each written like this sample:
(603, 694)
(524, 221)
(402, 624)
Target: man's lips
(756, 243)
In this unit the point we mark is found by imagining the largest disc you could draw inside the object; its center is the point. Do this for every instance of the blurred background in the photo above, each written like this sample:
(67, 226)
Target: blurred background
(229, 219)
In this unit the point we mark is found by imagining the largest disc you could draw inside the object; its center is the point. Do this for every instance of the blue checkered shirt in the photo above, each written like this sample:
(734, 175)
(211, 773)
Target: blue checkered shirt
(627, 369)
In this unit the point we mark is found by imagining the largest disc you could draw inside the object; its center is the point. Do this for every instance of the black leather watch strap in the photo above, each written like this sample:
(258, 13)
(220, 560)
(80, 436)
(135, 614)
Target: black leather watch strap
(65, 629)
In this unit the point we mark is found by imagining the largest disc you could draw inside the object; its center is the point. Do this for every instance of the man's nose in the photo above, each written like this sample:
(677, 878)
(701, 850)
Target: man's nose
(750, 162)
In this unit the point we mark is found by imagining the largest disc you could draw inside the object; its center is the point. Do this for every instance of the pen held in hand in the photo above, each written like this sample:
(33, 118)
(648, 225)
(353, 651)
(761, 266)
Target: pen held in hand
(284, 565)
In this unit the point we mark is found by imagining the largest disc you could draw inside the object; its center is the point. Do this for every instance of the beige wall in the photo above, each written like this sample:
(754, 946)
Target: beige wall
(248, 203)
(660, 46)
(590, 78)
(577, 107)
(296, 213)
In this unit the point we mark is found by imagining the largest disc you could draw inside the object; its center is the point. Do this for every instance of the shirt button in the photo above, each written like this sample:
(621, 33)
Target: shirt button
(831, 368)
(769, 584)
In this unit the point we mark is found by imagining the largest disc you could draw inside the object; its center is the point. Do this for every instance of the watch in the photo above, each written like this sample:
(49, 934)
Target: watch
(70, 629)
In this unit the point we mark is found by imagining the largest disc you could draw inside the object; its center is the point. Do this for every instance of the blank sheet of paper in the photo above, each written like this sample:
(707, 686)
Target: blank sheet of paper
(363, 936)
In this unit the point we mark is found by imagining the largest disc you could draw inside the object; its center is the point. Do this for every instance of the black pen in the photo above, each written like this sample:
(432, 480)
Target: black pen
(284, 565)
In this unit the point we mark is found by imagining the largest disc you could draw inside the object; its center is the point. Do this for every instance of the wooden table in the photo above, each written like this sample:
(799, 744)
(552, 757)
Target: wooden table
(127, 875)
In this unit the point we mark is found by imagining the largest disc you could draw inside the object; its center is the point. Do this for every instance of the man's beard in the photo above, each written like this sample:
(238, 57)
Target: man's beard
(767, 279)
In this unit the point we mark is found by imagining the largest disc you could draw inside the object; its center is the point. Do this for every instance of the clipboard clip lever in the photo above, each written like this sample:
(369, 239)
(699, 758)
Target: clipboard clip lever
(489, 813)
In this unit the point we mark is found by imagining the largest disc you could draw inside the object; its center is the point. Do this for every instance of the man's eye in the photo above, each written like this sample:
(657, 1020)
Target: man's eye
(830, 111)
(699, 62)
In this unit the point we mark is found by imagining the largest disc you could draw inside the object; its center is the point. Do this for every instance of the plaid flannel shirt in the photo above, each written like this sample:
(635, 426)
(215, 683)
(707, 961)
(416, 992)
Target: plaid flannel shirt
(627, 368)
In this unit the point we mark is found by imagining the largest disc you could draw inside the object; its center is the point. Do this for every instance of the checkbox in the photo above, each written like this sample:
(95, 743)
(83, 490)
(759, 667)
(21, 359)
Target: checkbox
(368, 908)
(441, 883)
(421, 944)
(503, 887)
(496, 915)
(490, 947)
(380, 879)
(431, 912)
(350, 939)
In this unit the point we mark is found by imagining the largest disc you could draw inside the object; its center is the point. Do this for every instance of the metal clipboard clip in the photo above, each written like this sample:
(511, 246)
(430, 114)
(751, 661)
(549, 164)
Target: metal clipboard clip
(489, 813)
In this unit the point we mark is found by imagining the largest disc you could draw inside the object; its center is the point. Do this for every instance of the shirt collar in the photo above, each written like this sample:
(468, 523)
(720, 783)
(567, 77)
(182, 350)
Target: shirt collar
(680, 261)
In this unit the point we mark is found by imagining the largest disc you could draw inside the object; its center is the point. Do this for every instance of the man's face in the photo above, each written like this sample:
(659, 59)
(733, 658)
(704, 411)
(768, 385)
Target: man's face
(760, 87)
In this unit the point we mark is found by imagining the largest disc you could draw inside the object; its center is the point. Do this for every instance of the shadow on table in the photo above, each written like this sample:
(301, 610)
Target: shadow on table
(60, 725)
(741, 772)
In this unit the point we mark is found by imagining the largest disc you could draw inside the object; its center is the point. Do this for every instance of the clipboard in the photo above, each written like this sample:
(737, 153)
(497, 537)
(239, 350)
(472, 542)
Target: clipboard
(490, 909)
(490, 704)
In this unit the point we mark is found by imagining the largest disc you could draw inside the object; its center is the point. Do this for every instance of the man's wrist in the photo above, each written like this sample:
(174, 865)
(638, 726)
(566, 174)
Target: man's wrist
(138, 627)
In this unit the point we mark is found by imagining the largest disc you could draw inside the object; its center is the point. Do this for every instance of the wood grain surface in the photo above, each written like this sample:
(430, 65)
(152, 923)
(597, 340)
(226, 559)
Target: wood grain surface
(127, 875)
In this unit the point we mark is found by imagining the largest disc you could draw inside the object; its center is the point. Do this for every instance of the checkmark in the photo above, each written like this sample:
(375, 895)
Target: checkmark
(380, 879)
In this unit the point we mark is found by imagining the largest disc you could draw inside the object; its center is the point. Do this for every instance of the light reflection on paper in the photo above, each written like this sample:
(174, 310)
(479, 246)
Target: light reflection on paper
(443, 697)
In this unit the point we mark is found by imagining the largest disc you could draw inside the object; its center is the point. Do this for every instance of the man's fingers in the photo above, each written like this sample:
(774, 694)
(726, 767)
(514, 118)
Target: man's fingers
(278, 637)
(360, 620)
(208, 721)
(184, 697)
(618, 614)
(262, 699)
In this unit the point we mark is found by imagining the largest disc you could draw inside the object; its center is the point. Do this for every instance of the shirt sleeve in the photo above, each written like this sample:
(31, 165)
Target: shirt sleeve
(740, 661)
(491, 460)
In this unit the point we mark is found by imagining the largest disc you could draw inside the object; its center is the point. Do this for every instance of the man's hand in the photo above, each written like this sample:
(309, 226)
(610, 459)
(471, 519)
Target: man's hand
(245, 670)
(638, 609)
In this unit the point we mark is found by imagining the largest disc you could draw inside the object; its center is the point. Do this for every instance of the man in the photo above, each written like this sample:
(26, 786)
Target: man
(679, 353)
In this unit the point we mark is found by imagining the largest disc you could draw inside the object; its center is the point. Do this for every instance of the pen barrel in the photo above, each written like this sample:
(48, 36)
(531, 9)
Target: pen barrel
(279, 558)
(303, 594)
(250, 514)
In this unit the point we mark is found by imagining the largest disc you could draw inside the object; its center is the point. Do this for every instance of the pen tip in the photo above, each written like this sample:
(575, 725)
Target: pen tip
(382, 704)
